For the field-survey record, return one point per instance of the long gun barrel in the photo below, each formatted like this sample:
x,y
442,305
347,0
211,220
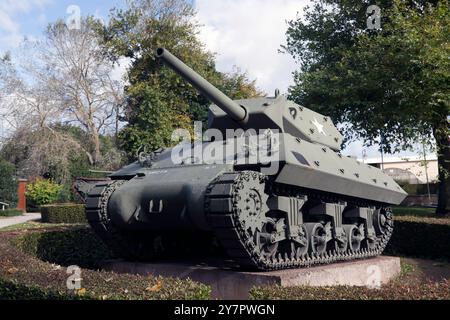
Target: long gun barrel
x,y
234,110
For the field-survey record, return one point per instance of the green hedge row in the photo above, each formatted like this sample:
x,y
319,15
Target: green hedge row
x,y
420,237
13,290
10,213
63,213
23,275
75,246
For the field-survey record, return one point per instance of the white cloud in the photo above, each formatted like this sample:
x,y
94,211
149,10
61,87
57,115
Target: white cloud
x,y
14,6
10,33
248,34
7,24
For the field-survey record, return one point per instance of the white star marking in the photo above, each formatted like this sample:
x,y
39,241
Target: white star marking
x,y
319,126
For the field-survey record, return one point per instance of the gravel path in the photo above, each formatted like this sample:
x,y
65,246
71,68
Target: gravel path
x,y
6,222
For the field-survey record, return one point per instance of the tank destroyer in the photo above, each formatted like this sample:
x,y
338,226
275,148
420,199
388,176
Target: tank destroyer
x,y
308,205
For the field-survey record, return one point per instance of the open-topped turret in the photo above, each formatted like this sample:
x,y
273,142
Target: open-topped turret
x,y
258,113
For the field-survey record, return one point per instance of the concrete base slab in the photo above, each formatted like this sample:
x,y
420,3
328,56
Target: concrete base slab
x,y
228,283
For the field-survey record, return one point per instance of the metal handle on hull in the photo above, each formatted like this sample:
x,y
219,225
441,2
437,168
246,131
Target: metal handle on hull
x,y
234,110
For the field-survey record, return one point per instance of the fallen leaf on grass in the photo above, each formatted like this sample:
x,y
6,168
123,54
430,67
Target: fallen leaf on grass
x,y
81,292
55,267
157,287
13,270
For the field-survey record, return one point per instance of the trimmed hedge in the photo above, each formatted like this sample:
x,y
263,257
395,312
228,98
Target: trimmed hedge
x,y
10,213
23,276
396,290
420,237
78,246
12,290
63,213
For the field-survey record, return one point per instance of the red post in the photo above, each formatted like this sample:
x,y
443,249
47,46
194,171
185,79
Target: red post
x,y
22,203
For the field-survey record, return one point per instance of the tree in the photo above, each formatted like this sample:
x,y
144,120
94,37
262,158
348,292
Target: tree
x,y
158,101
63,78
391,82
8,183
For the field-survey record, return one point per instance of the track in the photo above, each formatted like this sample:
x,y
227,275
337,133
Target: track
x,y
240,243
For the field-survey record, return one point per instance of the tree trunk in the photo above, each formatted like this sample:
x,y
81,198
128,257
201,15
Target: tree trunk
x,y
97,153
442,137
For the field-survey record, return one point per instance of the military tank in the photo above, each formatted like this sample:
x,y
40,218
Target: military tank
x,y
312,206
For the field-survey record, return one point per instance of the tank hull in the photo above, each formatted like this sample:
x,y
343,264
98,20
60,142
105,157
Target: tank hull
x,y
164,199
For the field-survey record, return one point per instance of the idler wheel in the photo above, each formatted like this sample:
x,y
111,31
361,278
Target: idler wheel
x,y
317,237
382,221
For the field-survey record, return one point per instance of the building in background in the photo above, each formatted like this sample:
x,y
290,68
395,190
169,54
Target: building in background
x,y
408,169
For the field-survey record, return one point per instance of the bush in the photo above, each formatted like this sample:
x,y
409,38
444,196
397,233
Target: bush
x,y
63,213
8,183
43,192
12,290
24,276
10,213
79,246
420,237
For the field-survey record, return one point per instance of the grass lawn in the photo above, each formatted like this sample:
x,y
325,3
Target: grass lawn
x,y
415,211
33,225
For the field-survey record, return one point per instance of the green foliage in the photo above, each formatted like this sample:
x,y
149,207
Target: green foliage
x,y
10,213
413,211
43,191
420,237
63,213
78,246
13,290
406,268
399,75
24,276
8,183
159,101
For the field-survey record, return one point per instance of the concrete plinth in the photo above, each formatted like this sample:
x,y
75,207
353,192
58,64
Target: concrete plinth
x,y
227,283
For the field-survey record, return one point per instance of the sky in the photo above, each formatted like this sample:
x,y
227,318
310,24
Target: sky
x,y
244,34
